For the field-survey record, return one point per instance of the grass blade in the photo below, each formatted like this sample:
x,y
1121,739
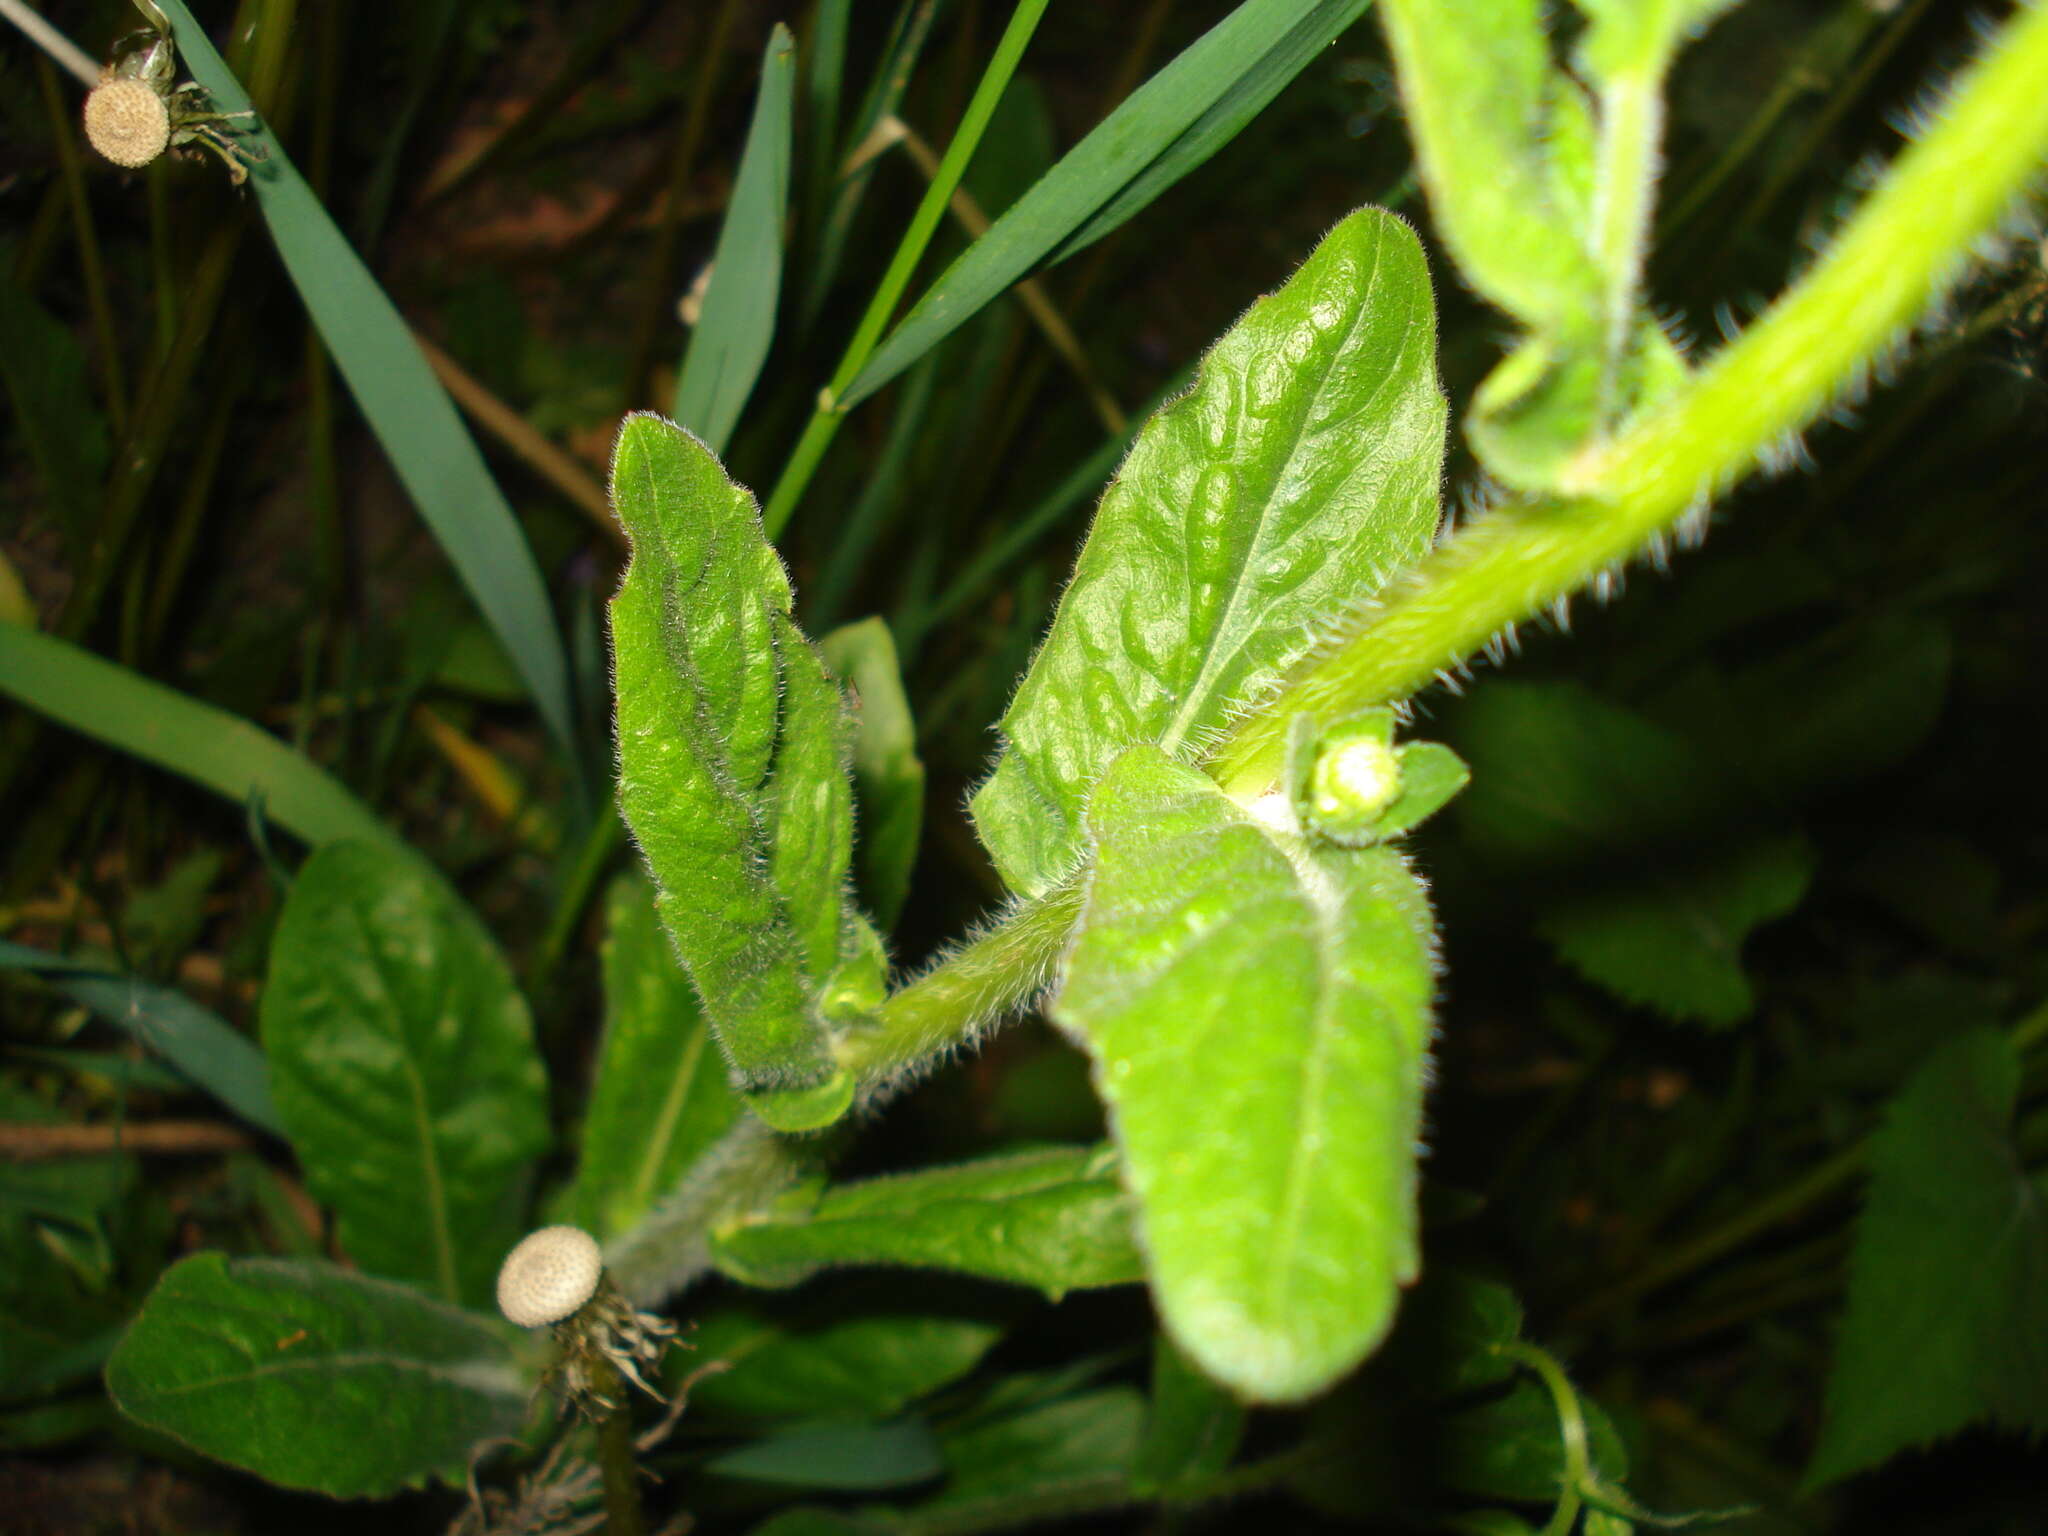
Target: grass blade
x,y
406,407
1166,128
209,746
1226,117
738,326
203,1047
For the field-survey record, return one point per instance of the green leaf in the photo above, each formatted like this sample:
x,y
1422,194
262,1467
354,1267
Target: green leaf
x,y
1480,94
1510,1447
1064,1455
1845,707
200,1044
1562,777
1163,130
404,1067
1947,1321
854,1456
1191,1432
405,405
660,1099
43,368
1671,937
888,775
732,746
1298,474
317,1378
846,1367
1451,1334
1055,1219
1258,1012
737,325
209,746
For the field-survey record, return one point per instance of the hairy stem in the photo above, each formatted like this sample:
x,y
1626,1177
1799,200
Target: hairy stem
x,y
1818,342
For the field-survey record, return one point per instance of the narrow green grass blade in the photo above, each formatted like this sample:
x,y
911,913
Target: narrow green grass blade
x,y
885,90
824,82
738,326
411,414
1166,128
205,1048
1244,100
209,746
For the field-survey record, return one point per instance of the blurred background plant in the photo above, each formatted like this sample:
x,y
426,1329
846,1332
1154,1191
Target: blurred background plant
x,y
1651,1124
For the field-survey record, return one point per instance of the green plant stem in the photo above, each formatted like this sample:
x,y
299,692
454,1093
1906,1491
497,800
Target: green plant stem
x,y
615,1461
984,979
1631,131
1904,244
1817,341
1571,1429
924,223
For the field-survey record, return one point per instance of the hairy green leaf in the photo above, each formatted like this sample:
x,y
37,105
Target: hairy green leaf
x,y
315,1377
732,748
1054,1219
1298,474
403,1064
888,775
1480,95
737,325
846,1367
660,1099
1947,1322
1258,1012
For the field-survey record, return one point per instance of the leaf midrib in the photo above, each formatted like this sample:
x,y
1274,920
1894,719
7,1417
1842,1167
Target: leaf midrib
x,y
1212,647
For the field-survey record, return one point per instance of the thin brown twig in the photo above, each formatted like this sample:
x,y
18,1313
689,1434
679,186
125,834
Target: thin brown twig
x,y
22,1143
1030,292
519,437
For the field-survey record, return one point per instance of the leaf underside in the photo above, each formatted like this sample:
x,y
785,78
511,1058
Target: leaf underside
x,y
1258,1012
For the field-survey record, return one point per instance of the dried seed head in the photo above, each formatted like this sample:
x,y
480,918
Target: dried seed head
x,y
549,1276
127,121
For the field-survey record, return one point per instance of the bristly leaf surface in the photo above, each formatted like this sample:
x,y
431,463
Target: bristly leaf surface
x,y
1258,1008
1298,474
732,756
